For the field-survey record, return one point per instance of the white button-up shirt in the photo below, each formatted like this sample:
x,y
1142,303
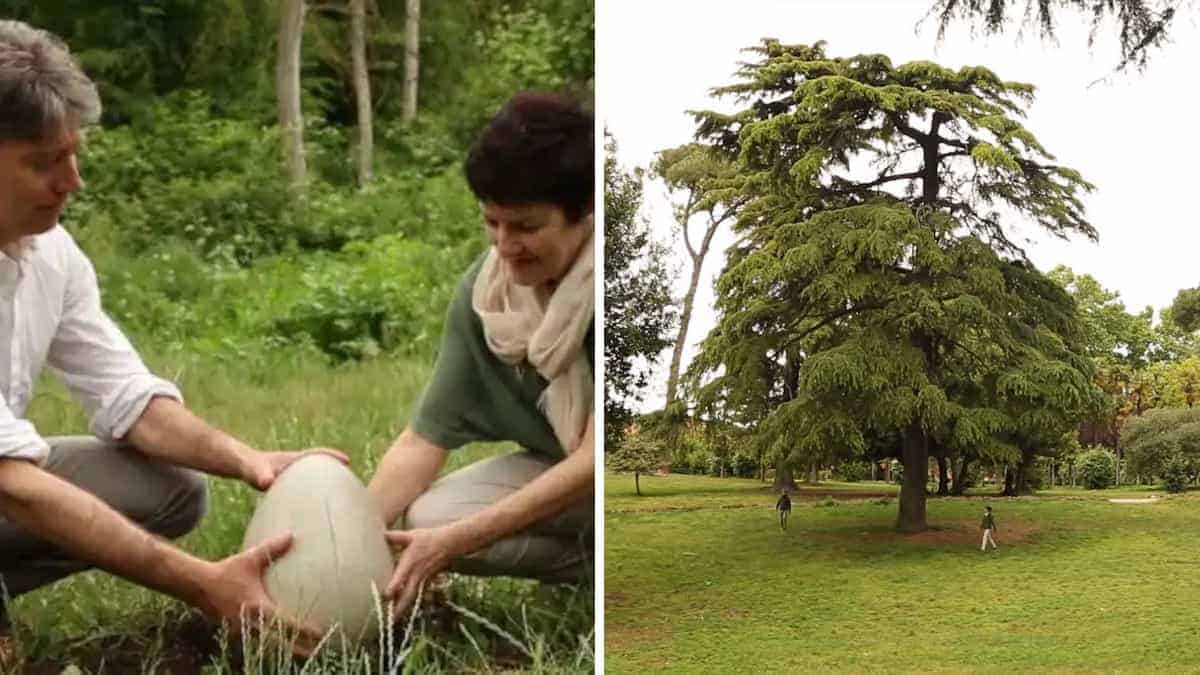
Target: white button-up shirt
x,y
50,314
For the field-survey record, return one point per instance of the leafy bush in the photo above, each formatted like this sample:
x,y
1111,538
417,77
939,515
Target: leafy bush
x,y
1153,439
852,472
1096,468
1176,474
389,294
743,466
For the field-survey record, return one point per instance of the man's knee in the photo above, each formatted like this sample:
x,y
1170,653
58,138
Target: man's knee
x,y
186,505
430,509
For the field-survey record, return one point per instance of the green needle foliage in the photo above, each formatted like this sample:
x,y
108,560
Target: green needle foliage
x,y
875,304
1143,25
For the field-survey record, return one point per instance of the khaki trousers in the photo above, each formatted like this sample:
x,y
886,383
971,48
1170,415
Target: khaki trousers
x,y
162,498
987,539
556,549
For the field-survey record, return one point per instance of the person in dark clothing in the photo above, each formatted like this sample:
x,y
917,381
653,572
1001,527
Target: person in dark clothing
x,y
784,507
988,526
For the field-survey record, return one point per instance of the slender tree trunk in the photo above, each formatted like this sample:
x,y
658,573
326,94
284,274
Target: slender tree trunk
x,y
813,478
685,318
912,490
637,485
287,88
412,60
362,90
943,477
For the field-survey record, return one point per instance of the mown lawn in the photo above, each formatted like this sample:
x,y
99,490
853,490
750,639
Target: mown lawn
x,y
103,624
699,578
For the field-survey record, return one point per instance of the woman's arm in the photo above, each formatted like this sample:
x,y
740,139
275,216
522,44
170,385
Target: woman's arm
x,y
428,551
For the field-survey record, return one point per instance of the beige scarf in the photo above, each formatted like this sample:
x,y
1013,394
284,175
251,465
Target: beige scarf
x,y
519,327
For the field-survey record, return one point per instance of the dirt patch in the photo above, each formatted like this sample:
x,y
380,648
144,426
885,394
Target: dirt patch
x,y
837,493
625,638
840,495
959,533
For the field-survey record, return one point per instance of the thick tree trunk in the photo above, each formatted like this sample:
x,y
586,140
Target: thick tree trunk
x,y
287,88
912,490
1010,489
943,477
783,477
1024,473
412,60
362,90
961,478
813,477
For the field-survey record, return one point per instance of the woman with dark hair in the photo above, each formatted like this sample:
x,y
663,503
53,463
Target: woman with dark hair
x,y
515,364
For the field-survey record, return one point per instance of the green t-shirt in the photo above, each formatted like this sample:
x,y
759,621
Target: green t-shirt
x,y
474,396
989,523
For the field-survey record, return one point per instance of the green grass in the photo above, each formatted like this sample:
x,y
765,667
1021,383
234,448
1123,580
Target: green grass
x,y
1078,584
100,622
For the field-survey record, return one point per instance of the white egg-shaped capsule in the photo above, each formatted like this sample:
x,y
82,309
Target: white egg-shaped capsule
x,y
339,559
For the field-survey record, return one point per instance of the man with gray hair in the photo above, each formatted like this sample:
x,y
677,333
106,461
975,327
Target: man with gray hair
x,y
70,503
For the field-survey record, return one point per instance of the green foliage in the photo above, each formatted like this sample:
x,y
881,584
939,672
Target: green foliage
x,y
1096,468
1164,442
1143,26
388,294
136,51
542,44
1186,309
853,471
1176,474
638,310
636,454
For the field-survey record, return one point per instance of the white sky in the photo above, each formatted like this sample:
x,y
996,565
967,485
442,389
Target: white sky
x,y
1133,136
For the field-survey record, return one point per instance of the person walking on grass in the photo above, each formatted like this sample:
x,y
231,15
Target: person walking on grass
x,y
110,500
988,526
784,507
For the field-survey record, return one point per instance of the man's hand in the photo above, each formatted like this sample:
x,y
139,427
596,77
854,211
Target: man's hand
x,y
236,594
423,553
262,468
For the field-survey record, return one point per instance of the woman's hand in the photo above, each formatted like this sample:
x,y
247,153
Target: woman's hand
x,y
423,553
